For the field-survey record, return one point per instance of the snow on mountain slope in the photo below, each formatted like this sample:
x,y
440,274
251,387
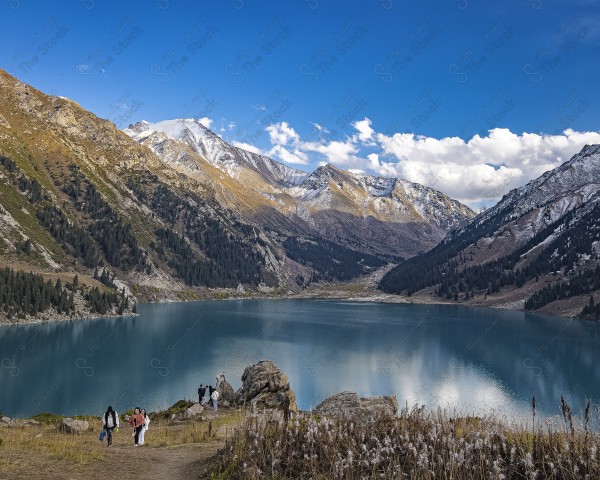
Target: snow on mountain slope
x,y
215,150
359,210
524,211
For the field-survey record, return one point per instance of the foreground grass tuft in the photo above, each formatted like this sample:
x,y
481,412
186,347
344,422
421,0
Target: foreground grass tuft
x,y
417,444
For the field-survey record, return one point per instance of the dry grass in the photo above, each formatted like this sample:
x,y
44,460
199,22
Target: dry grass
x,y
42,451
164,433
27,449
416,445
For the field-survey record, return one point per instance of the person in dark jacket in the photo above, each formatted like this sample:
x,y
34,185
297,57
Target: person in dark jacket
x,y
110,421
201,394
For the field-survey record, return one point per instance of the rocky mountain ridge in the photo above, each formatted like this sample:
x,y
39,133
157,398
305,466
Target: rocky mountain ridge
x,y
537,248
81,199
360,211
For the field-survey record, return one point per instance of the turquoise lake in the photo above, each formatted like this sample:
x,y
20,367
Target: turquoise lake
x,y
469,360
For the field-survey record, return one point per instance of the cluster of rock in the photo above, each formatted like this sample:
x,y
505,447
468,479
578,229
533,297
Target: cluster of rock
x,y
67,425
18,422
350,405
263,386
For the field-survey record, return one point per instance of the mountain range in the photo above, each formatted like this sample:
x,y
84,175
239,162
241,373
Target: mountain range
x,y
373,214
170,210
94,219
538,248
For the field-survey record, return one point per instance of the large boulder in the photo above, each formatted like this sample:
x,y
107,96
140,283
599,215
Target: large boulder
x,y
194,410
68,425
350,405
265,386
226,392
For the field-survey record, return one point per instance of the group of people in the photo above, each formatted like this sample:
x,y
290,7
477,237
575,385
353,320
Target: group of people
x,y
213,392
139,421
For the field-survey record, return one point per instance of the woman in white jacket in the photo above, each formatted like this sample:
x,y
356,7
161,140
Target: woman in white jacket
x,y
146,423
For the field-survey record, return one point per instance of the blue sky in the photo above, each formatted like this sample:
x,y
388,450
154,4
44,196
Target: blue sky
x,y
470,97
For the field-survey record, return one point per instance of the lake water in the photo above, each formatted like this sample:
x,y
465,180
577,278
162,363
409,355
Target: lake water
x,y
470,360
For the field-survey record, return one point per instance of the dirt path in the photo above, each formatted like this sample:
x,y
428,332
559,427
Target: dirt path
x,y
154,463
173,451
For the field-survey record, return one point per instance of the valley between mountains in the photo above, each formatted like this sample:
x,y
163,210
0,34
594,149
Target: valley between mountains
x,y
94,220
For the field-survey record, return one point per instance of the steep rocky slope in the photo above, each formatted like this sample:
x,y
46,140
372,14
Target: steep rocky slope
x,y
189,217
537,248
371,214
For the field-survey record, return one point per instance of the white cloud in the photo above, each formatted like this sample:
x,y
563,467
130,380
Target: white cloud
x,y
339,153
205,121
248,147
296,157
484,168
365,131
319,128
282,134
478,171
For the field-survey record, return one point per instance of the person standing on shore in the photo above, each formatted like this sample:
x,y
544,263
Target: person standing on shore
x,y
110,421
214,396
145,427
137,421
210,392
201,394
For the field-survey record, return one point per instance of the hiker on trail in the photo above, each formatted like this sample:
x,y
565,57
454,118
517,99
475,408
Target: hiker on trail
x,y
110,421
210,392
215,398
220,379
201,394
145,426
137,421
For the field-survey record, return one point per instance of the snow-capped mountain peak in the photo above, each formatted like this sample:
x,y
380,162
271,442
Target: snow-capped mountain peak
x,y
215,150
335,202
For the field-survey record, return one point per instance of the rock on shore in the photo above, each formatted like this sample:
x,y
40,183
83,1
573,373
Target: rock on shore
x,y
68,425
349,404
265,386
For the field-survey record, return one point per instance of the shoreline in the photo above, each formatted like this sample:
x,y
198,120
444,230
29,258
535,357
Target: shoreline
x,y
339,295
